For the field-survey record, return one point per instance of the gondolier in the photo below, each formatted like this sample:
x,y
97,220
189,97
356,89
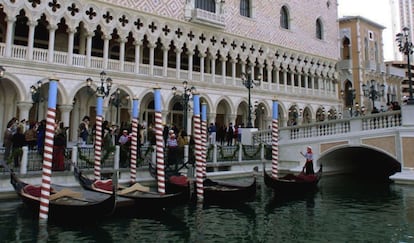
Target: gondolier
x,y
308,167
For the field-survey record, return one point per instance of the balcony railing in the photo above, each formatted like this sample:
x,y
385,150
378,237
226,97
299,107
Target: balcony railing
x,y
208,18
333,127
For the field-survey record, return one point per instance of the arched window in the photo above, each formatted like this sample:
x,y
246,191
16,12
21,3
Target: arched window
x,y
208,5
319,29
284,18
346,52
245,8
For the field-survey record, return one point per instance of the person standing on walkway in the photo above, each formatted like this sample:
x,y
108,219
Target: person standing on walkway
x,y
84,130
308,167
8,136
125,147
18,142
212,130
230,134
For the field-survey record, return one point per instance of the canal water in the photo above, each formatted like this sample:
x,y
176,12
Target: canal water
x,y
345,209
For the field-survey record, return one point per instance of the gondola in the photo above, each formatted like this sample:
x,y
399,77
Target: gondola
x,y
131,197
215,191
292,185
66,204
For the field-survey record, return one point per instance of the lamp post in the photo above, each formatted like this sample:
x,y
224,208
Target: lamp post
x,y
101,92
118,101
36,96
405,46
248,82
104,88
185,98
373,92
349,96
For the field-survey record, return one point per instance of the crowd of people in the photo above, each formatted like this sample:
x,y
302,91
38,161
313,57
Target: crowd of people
x,y
32,134
225,135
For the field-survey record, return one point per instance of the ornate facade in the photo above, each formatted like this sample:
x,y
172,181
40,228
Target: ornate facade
x,y
289,48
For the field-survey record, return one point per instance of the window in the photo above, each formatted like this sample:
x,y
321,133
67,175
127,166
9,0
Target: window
x,y
370,35
245,8
319,29
208,5
284,18
346,52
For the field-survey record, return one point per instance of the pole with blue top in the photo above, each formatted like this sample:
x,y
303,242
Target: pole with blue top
x,y
48,150
159,141
134,139
275,138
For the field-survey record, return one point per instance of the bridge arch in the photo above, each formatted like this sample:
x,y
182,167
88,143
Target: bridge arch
x,y
359,159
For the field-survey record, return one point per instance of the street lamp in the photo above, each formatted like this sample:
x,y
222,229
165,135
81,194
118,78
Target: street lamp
x,y
248,82
373,92
36,96
101,90
405,46
118,101
349,96
185,98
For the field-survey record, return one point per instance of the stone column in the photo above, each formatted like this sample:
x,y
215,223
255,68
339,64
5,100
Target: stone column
x,y
71,41
105,50
151,57
178,62
51,48
202,56
137,55
122,42
89,48
165,60
24,108
9,36
223,60
190,54
65,111
30,44
233,70
213,68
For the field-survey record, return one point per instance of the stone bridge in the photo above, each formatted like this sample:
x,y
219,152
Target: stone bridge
x,y
378,145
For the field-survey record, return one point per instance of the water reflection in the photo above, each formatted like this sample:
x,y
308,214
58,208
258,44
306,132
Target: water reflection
x,y
344,209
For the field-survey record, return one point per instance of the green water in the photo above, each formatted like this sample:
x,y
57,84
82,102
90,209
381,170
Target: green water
x,y
344,209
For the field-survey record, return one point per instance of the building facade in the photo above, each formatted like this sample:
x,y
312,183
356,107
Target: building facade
x,y
367,84
288,48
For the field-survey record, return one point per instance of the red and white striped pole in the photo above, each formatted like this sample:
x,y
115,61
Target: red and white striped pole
x,y
98,135
48,150
134,139
204,135
159,141
275,138
198,148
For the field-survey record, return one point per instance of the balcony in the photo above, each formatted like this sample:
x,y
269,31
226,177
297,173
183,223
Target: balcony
x,y
204,17
345,64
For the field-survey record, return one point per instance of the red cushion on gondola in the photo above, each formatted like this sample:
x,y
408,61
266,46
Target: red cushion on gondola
x,y
103,185
32,190
179,180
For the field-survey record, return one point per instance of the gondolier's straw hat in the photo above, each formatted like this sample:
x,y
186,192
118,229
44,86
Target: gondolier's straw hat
x,y
309,147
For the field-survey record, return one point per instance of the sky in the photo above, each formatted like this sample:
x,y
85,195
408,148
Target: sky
x,y
378,11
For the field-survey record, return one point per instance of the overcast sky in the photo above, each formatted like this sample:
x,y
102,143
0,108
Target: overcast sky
x,y
375,10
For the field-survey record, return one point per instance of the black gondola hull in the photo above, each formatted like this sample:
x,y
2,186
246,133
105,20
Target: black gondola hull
x,y
292,186
90,207
136,201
